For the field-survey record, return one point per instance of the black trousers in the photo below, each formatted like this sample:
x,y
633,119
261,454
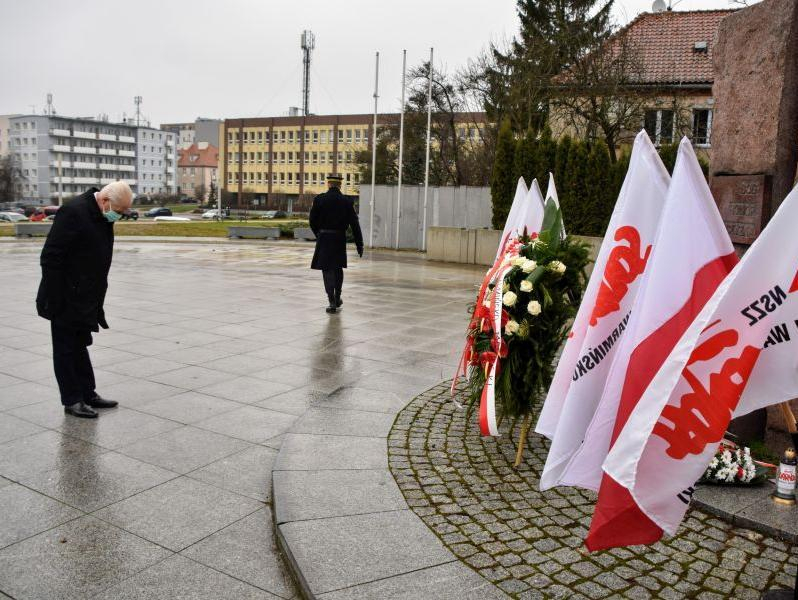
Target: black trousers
x,y
333,282
72,364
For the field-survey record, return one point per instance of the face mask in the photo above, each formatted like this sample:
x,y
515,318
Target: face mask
x,y
112,216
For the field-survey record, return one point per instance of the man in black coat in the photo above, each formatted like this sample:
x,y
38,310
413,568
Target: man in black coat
x,y
75,262
331,215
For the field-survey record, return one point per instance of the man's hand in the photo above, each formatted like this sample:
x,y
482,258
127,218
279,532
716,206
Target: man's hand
x,y
360,251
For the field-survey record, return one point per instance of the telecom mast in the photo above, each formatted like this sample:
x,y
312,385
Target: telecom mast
x,y
308,44
137,100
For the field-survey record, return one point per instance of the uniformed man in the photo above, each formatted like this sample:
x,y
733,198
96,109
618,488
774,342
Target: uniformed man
x,y
332,213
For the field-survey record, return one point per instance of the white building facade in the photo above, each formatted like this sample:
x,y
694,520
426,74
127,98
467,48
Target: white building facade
x,y
60,157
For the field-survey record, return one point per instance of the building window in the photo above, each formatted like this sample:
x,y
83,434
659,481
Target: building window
x,y
323,138
282,178
349,136
307,136
260,137
323,157
702,126
282,158
357,136
659,126
348,157
282,136
314,157
315,136
266,135
290,137
340,135
340,157
306,158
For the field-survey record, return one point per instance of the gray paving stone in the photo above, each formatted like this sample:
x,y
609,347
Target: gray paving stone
x,y
26,392
250,423
26,513
450,581
247,473
345,551
95,480
357,398
305,452
41,452
178,577
191,378
120,427
136,392
12,428
184,449
337,421
74,561
178,513
248,390
294,401
302,495
188,407
246,550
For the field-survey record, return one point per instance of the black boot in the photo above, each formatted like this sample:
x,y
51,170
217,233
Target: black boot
x,y
338,301
332,308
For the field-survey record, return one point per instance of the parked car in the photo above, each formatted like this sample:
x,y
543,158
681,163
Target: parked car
x,y
12,217
188,201
159,211
274,214
210,214
38,216
50,210
130,214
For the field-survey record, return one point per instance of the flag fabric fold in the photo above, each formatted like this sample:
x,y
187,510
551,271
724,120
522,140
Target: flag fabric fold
x,y
739,354
606,308
692,255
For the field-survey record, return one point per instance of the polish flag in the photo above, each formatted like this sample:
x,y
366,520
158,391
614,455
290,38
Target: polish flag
x,y
551,192
692,256
534,209
738,355
514,217
603,316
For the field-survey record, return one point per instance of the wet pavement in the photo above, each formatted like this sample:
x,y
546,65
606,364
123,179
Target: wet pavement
x,y
215,351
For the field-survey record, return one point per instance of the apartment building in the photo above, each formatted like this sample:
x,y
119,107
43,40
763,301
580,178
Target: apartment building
x,y
62,156
5,134
196,170
202,130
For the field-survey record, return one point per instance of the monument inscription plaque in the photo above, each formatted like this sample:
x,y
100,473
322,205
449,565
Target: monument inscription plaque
x,y
744,204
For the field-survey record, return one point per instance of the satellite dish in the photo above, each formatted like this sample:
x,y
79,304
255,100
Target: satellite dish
x,y
658,6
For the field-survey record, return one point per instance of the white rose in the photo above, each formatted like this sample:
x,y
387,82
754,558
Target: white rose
x,y
533,308
518,261
528,266
511,327
526,286
509,299
557,267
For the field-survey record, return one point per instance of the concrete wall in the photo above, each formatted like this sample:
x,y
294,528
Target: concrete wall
x,y
460,207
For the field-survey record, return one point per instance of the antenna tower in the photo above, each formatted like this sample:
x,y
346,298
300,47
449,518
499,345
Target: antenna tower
x,y
308,44
49,109
137,100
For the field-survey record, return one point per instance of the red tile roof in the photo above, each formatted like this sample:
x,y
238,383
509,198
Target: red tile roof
x,y
206,157
665,43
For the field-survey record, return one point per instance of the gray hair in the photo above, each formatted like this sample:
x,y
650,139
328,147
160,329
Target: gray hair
x,y
119,194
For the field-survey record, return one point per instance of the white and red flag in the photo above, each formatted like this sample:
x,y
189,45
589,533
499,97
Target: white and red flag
x,y
515,218
551,192
692,256
605,311
534,210
739,354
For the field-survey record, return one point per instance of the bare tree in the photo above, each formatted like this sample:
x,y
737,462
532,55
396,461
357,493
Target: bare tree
x,y
11,178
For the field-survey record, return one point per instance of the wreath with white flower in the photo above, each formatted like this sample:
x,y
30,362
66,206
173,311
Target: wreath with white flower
x,y
733,466
543,282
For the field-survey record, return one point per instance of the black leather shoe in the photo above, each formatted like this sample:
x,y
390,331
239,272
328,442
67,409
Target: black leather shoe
x,y
80,409
338,302
97,402
331,310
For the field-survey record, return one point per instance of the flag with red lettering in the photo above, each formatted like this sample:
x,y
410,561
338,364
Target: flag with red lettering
x,y
739,354
515,217
605,310
692,256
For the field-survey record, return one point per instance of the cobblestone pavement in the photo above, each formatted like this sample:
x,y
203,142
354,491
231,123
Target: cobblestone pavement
x,y
529,543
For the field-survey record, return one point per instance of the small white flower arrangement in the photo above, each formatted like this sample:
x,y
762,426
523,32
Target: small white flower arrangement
x,y
731,466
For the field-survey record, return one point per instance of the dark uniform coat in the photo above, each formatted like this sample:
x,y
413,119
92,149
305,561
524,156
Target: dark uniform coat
x,y
75,262
332,213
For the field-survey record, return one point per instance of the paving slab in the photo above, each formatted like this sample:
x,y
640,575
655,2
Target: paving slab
x,y
450,581
26,513
302,495
179,578
179,512
42,452
342,421
74,561
12,428
250,423
247,472
308,452
247,551
338,552
188,407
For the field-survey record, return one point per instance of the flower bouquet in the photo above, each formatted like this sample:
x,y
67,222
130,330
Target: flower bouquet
x,y
520,320
733,466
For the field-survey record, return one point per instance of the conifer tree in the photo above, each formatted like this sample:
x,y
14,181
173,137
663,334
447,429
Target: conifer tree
x,y
502,184
526,157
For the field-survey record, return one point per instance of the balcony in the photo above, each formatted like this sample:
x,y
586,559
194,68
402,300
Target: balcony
x,y
106,180
107,137
65,164
107,152
128,153
170,155
62,179
85,135
128,168
130,181
127,139
60,132
108,167
170,170
85,165
61,148
84,180
84,150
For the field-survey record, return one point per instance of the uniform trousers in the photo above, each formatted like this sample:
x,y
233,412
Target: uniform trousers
x,y
333,282
72,364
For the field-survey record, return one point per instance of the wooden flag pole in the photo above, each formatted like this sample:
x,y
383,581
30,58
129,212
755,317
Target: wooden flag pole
x,y
524,431
789,418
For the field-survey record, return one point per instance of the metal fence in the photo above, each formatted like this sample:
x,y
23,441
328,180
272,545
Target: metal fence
x,y
468,207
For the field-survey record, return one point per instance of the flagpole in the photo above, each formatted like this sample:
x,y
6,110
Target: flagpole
x,y
426,162
374,149
401,148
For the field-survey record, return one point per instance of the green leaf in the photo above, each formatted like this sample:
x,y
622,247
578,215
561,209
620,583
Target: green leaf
x,y
536,274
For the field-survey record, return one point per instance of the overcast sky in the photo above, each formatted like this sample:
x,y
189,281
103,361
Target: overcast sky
x,y
235,58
